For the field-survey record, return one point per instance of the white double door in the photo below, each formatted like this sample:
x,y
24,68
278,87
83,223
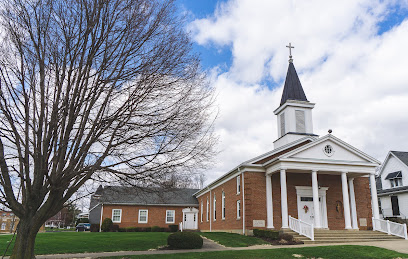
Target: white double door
x,y
306,211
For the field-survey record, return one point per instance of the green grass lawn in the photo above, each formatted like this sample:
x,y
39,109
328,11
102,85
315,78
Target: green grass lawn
x,y
233,240
326,252
80,242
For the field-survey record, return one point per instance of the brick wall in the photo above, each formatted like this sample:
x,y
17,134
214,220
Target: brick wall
x,y
156,215
231,222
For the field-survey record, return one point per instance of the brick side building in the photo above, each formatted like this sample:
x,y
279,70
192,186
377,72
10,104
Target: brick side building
x,y
322,181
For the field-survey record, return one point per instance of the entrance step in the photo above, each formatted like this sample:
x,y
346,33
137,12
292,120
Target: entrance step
x,y
343,236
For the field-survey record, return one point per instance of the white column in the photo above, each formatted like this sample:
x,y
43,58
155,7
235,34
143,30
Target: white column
x,y
284,199
346,202
374,199
269,207
353,204
316,204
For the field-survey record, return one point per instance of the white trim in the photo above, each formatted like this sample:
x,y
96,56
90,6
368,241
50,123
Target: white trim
x,y
120,215
100,222
174,216
380,171
147,216
293,103
152,204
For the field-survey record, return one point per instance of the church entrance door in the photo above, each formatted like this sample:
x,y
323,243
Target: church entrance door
x,y
306,207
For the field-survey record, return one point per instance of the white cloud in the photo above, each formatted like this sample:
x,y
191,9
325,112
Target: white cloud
x,y
357,78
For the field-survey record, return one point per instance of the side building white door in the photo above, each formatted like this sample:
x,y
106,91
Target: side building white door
x,y
190,218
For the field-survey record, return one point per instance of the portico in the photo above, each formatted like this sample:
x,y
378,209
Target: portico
x,y
311,193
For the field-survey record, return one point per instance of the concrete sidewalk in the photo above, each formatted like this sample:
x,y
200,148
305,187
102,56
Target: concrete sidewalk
x,y
209,246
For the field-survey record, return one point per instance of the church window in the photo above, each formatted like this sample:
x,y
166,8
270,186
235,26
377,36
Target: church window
x,y
215,210
282,124
238,209
208,211
143,214
328,150
223,205
116,215
300,121
201,214
238,184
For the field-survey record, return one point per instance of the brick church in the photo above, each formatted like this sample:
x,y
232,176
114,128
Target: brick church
x,y
323,181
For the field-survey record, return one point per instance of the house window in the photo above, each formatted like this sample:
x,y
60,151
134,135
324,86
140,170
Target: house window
x,y
379,205
116,215
396,182
282,124
223,205
3,226
208,211
238,184
169,216
215,208
238,209
202,207
143,215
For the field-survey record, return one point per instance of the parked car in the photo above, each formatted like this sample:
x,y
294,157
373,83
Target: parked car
x,y
83,227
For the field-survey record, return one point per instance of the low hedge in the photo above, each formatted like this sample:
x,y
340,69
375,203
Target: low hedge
x,y
266,233
94,227
185,240
173,228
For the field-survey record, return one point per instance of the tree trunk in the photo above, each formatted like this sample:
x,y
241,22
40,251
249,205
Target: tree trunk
x,y
25,240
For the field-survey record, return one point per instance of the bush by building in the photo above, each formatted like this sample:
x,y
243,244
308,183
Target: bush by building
x,y
271,234
185,240
106,225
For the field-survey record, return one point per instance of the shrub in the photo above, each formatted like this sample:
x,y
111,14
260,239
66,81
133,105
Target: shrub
x,y
106,225
286,236
185,240
173,228
114,228
147,229
122,229
94,227
156,229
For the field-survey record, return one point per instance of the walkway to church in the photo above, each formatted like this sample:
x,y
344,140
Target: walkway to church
x,y
209,246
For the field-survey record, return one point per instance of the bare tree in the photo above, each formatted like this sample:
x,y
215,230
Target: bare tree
x,y
94,89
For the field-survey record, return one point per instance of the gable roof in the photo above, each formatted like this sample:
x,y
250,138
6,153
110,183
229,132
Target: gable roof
x,y
336,140
403,156
145,196
399,155
293,89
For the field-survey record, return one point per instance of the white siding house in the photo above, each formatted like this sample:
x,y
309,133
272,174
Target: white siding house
x,y
393,181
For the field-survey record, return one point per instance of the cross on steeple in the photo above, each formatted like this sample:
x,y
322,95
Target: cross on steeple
x,y
290,52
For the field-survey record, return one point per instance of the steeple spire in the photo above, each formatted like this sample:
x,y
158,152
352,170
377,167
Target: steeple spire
x,y
293,89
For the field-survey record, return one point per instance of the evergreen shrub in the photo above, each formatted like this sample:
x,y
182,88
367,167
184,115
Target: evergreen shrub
x,y
185,240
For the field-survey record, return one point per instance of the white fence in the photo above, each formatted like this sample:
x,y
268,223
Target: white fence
x,y
391,228
301,227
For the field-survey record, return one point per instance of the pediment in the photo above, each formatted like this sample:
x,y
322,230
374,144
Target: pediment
x,y
331,149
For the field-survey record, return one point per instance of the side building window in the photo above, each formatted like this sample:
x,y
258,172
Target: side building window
x,y
202,207
170,216
143,216
208,210
223,205
215,208
238,184
238,209
116,215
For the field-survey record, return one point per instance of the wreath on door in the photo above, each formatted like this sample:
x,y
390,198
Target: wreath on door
x,y
306,208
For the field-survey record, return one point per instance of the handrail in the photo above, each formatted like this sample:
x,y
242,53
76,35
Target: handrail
x,y
301,227
391,228
181,226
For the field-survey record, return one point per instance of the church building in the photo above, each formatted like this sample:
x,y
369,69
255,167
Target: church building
x,y
323,181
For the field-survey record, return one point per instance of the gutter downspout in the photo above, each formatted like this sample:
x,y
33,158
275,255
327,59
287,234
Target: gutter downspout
x,y
100,222
243,202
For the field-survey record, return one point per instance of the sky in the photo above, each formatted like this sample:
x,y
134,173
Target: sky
x,y
351,57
